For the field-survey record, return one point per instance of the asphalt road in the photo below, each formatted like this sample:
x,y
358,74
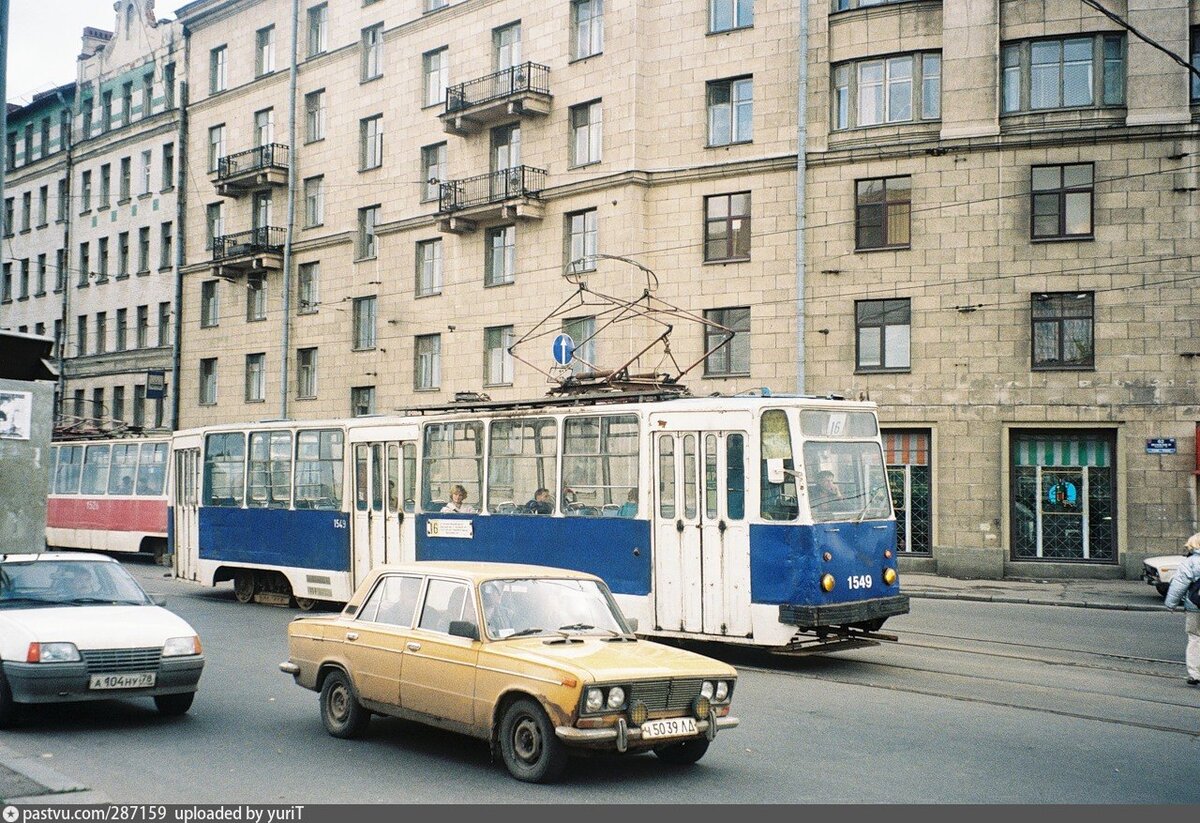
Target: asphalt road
x,y
978,703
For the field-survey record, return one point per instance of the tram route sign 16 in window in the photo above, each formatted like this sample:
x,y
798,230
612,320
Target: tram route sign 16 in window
x,y
1160,445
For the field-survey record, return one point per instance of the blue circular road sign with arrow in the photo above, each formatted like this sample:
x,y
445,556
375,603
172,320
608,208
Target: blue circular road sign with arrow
x,y
563,349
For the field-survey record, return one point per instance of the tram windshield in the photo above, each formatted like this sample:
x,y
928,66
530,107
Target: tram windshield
x,y
846,481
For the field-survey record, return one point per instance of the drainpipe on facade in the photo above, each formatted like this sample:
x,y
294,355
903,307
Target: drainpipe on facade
x,y
801,145
61,344
291,217
181,161
4,94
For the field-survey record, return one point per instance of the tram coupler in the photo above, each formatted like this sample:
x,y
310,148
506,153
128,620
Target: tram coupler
x,y
840,639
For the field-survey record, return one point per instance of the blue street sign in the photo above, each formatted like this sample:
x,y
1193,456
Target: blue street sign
x,y
563,349
1160,445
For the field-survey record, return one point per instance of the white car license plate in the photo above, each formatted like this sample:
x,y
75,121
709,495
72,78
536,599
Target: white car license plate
x,y
668,727
138,680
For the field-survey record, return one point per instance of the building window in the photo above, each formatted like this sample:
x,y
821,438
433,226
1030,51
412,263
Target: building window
x,y
506,46
164,246
6,284
582,331
1062,202
901,89
362,401
587,28
581,241
105,186
143,265
434,5
216,146
1070,72
81,334
314,201
26,211
260,212
307,288
724,15
41,275
85,199
884,335
306,373
264,127
169,86
208,382
126,104
1063,332
43,205
318,29
370,132
730,111
214,224
500,244
497,362
168,166
429,267
216,70
147,93
102,260
125,183
63,200
314,116
256,299
210,313
143,326
437,75
256,378
433,169
586,130
25,278
372,52
734,357
101,332
368,219
428,362
139,405
118,404
85,265
123,254
364,323
106,111
164,324
264,51
10,216
883,213
727,227
1195,78
122,332
144,175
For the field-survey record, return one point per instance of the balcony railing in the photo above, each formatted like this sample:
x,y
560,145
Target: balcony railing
x,y
263,240
484,189
259,158
523,78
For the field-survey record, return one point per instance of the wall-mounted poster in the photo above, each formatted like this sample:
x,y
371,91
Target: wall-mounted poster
x,y
15,414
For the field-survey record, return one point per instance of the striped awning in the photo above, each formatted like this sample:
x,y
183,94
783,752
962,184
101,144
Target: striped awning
x,y
906,448
1063,452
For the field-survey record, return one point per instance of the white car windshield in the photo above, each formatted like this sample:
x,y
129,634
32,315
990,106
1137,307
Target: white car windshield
x,y
44,583
531,606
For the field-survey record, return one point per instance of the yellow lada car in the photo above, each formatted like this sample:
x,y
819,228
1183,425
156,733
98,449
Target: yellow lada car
x,y
538,661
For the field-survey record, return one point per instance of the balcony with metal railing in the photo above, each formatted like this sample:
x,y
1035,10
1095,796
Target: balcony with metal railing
x,y
507,194
249,251
523,89
255,168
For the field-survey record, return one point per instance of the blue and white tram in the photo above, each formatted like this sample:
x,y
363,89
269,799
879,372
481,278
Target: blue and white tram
x,y
702,514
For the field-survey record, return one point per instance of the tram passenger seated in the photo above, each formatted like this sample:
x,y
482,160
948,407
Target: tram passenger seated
x,y
629,507
541,503
126,486
458,504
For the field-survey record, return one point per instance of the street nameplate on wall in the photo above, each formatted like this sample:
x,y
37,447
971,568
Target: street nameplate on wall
x,y
449,528
1160,445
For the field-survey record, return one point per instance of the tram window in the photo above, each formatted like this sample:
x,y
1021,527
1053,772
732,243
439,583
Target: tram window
x,y
319,469
521,460
124,468
689,476
600,463
224,469
53,468
859,476
66,475
453,456
777,500
362,466
377,477
735,477
152,469
666,477
95,470
393,471
410,477
270,470
819,423
710,476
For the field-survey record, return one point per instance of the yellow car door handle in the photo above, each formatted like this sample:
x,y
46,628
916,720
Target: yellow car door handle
x,y
351,635
413,646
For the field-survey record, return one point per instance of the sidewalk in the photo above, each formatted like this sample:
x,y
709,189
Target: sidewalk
x,y
29,780
1128,595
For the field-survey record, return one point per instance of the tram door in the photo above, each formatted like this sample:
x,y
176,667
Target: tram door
x,y
185,498
383,530
702,541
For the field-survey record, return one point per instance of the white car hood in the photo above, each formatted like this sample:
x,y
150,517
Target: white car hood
x,y
95,627
1167,563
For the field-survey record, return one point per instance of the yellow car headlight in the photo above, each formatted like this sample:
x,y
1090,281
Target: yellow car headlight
x,y
616,698
722,691
595,700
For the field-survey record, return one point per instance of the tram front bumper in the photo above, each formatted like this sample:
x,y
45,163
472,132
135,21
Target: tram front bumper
x,y
843,614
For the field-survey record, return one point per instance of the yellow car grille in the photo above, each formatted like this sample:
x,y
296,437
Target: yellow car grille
x,y
658,695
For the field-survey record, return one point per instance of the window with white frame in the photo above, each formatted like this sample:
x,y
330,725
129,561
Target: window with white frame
x,y
368,218
125,185
429,267
371,142
497,361
730,111
318,29
144,176
587,28
583,332
256,377
727,227
264,127
902,89
726,15
217,59
1063,330
506,46
216,146
362,401
581,243
883,212
210,313
214,223
1062,207
308,283
168,166
428,366
314,201
306,373
436,65
884,335
1086,71
372,52
433,171
364,323
208,382
314,116
434,5
500,248
256,299
264,51
586,133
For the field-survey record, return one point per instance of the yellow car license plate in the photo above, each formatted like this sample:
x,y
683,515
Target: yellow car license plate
x,y
136,680
668,727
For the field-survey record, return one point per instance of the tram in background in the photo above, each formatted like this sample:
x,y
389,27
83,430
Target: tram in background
x,y
108,495
701,514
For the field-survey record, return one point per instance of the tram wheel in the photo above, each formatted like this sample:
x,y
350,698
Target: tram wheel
x,y
306,604
245,585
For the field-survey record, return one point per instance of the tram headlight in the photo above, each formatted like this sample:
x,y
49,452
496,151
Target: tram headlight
x,y
706,690
889,576
616,698
595,700
827,582
722,692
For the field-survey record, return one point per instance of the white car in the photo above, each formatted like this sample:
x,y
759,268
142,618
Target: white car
x,y
77,626
1158,571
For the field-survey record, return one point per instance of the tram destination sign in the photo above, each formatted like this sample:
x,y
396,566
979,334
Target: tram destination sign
x,y
1160,445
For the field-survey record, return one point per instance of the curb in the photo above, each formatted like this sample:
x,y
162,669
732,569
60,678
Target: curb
x,y
1033,601
59,788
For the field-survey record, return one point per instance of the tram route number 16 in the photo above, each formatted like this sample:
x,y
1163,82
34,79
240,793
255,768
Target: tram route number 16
x,y
859,581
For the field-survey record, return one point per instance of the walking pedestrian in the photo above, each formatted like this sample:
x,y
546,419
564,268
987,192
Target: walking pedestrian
x,y
1187,573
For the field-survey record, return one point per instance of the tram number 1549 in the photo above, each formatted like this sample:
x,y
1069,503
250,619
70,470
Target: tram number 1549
x,y
859,581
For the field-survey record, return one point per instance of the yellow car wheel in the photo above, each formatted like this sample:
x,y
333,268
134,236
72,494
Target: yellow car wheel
x,y
528,745
341,712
